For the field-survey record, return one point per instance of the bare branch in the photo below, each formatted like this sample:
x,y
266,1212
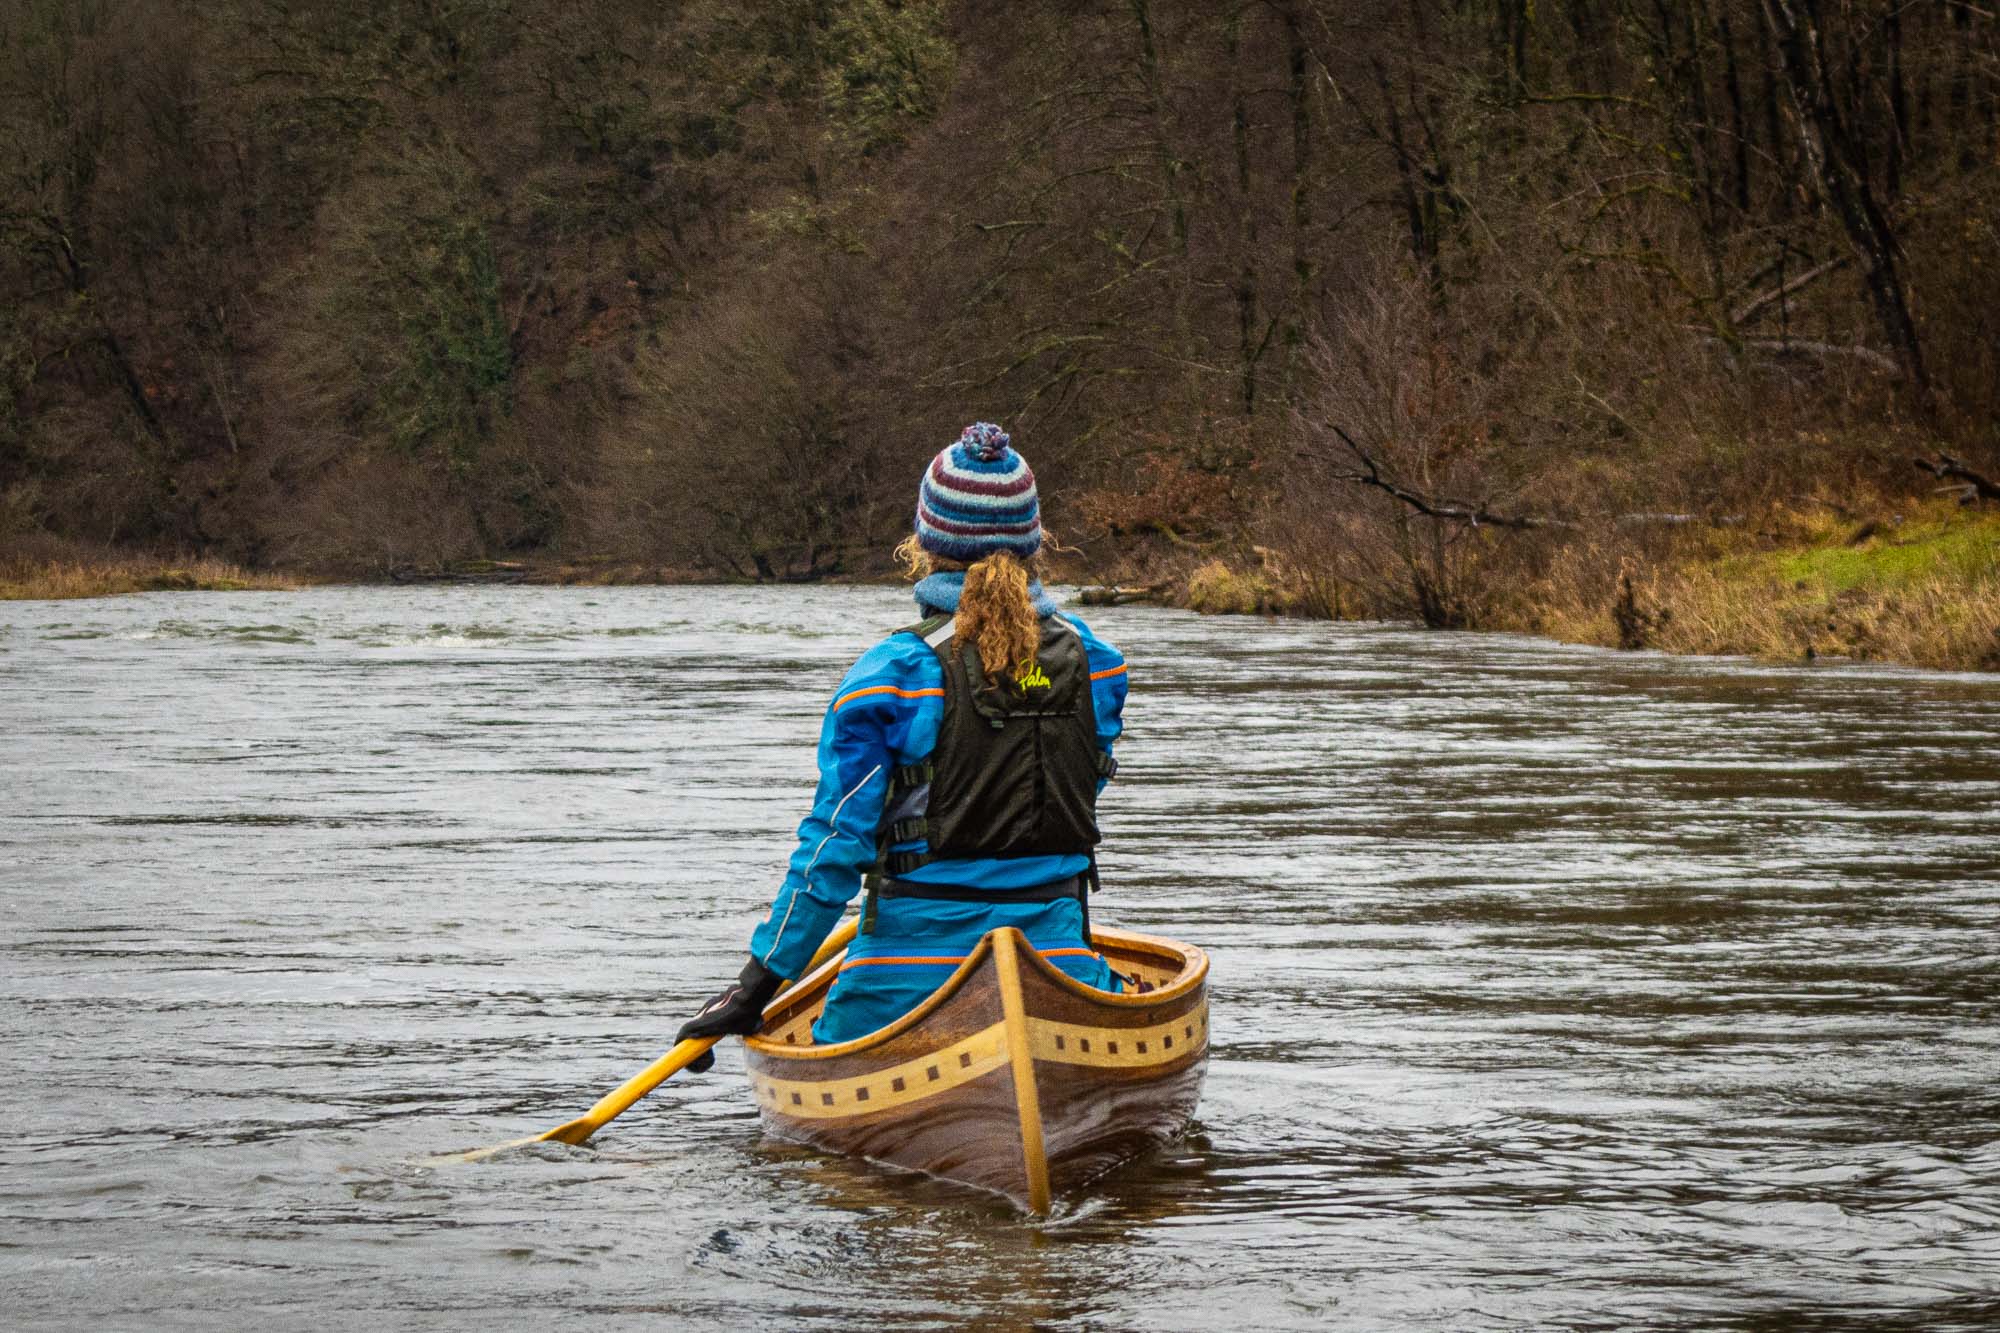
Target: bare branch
x,y
1750,309
1474,513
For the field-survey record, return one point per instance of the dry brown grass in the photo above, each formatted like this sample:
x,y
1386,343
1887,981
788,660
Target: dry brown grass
x,y
1215,589
1921,587
1270,587
52,580
1942,622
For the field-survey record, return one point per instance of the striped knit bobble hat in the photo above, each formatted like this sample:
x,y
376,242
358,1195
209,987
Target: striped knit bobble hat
x,y
978,498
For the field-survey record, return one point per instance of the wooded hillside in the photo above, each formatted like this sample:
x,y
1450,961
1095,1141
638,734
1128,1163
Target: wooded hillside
x,y
373,286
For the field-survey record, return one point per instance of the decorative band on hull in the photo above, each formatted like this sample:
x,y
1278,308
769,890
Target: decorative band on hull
x,y
960,1063
897,1085
1119,1048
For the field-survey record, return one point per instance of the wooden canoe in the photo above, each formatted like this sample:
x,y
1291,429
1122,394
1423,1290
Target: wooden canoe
x,y
1012,1076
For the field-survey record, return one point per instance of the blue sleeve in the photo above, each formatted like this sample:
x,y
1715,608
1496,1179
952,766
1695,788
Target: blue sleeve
x,y
1107,684
866,731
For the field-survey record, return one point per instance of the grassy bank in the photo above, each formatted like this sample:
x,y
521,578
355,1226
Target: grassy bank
x,y
1909,581
1920,587
67,578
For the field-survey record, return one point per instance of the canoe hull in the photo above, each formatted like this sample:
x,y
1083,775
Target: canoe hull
x,y
1012,1077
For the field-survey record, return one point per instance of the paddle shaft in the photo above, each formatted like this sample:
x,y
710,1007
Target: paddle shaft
x,y
620,1099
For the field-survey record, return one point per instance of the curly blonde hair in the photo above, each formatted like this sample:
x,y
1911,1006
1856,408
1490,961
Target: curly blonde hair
x,y
996,613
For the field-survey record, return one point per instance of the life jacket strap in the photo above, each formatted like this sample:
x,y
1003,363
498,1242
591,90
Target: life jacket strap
x,y
1054,892
871,886
902,863
878,887
910,778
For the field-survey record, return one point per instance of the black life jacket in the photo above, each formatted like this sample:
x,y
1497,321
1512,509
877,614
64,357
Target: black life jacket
x,y
1016,765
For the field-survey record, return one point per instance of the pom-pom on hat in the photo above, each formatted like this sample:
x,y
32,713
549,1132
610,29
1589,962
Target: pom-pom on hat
x,y
978,498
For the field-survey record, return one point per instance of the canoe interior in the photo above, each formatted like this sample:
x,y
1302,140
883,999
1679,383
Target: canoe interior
x,y
1012,1076
1161,963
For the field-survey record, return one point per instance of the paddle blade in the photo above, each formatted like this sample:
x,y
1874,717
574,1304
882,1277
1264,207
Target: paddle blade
x,y
576,1132
579,1130
481,1154
614,1103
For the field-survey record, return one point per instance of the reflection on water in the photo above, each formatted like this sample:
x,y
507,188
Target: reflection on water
x,y
1553,987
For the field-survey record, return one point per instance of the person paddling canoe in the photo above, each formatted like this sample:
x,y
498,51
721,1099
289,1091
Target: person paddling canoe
x,y
960,763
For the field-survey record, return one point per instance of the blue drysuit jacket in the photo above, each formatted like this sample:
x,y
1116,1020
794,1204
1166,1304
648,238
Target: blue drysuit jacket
x,y
884,716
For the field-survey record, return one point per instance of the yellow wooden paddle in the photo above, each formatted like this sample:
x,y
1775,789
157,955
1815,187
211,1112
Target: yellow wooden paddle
x,y
616,1102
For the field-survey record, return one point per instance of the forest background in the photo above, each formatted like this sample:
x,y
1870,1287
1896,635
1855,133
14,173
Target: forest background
x,y
1624,320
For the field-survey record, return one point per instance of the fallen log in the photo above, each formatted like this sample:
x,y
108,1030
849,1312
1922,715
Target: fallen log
x,y
468,571
1112,595
1756,305
1678,520
1808,349
1971,485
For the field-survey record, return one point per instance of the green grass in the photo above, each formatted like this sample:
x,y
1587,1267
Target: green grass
x,y
1960,547
1924,590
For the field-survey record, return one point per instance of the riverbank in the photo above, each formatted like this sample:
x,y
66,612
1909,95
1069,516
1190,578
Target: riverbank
x,y
1908,581
1913,582
58,580
1918,587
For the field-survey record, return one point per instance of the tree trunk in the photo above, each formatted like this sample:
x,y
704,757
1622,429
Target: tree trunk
x,y
1170,167
1739,129
1834,159
1302,263
1248,349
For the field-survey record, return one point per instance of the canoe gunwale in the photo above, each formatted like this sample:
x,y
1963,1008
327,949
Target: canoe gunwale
x,y
1192,975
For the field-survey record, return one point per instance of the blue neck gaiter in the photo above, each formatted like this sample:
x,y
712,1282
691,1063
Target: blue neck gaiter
x,y
938,594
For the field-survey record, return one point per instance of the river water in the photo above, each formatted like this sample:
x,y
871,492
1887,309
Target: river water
x,y
1553,987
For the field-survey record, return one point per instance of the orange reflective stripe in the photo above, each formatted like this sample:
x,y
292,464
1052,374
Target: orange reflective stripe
x,y
887,689
1118,670
870,962
941,961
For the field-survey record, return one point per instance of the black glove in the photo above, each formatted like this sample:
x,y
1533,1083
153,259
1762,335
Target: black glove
x,y
738,1011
